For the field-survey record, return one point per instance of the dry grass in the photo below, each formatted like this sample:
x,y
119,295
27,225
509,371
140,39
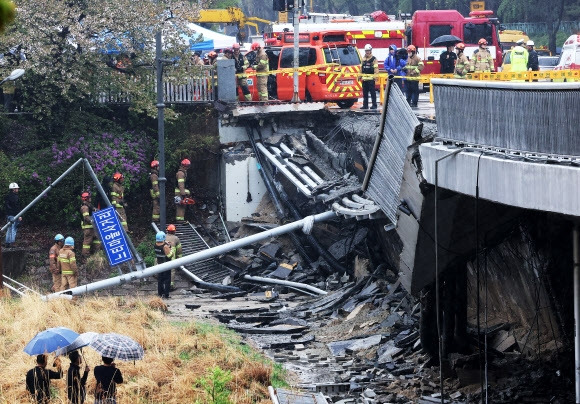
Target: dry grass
x,y
176,355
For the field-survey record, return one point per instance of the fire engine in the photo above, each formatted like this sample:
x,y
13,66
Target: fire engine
x,y
329,64
424,27
427,25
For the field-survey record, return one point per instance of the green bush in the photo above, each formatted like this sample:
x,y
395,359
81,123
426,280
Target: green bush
x,y
214,384
126,152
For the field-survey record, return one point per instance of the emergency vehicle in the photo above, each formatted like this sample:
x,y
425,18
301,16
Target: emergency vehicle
x,y
424,27
329,63
427,25
570,56
362,30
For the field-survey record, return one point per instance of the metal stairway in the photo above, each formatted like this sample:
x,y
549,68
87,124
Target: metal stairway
x,y
191,242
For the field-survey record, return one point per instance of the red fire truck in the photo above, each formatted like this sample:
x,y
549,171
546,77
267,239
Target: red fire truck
x,y
424,27
329,63
427,25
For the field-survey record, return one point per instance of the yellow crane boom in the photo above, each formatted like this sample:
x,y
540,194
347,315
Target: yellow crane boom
x,y
229,15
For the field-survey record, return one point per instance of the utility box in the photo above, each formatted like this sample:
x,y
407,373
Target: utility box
x,y
226,80
242,184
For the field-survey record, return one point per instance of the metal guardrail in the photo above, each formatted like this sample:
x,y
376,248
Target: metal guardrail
x,y
497,118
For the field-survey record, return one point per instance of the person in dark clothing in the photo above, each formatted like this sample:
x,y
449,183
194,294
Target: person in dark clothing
x,y
38,378
447,60
75,384
12,208
533,63
107,377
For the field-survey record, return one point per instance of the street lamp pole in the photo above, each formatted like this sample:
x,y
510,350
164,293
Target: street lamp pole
x,y
160,130
13,76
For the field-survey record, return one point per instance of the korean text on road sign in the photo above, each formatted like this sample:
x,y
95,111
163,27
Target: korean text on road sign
x,y
107,224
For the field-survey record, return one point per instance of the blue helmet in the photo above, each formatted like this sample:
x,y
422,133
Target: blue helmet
x,y
69,241
159,237
58,237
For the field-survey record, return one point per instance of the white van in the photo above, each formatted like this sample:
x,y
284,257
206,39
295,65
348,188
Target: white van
x,y
570,56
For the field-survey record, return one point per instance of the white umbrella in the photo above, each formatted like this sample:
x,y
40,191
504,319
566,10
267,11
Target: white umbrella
x,y
81,341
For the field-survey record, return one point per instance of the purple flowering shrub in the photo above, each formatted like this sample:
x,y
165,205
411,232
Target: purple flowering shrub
x,y
126,152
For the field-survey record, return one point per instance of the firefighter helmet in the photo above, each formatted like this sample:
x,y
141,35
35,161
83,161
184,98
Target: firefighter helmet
x,y
160,237
368,47
185,162
170,228
482,41
69,241
118,176
13,185
236,46
411,48
212,55
58,237
460,46
154,164
85,196
256,45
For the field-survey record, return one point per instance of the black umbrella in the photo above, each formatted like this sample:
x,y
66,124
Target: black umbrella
x,y
445,40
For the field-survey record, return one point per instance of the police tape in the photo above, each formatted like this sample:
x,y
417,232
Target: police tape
x,y
568,75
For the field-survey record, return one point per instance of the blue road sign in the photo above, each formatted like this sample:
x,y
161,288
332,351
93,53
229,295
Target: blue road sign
x,y
109,227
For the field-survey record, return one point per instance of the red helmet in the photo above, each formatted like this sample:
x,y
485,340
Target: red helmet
x,y
85,196
212,54
118,176
170,228
256,45
236,46
411,48
482,41
154,164
460,45
185,162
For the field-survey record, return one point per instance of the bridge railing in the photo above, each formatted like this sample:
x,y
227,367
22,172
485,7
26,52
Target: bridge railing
x,y
197,87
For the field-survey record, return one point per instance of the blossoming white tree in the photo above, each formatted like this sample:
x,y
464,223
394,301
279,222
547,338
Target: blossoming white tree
x,y
72,49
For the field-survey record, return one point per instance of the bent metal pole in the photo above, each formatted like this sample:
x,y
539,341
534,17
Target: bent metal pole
x,y
198,256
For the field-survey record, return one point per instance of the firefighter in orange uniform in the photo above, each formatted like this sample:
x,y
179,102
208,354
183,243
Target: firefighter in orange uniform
x,y
118,198
67,263
482,61
154,177
89,236
262,68
53,262
180,190
175,243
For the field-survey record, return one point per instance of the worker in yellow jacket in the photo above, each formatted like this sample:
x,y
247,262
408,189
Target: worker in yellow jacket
x,y
67,264
53,262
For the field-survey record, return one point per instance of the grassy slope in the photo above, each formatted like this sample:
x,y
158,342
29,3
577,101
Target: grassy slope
x,y
177,355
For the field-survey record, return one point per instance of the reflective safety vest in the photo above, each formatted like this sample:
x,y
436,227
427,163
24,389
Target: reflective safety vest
x,y
117,195
154,177
86,221
181,176
174,241
53,259
67,261
368,65
161,254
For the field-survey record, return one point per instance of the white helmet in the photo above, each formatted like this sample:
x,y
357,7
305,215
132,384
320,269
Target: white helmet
x,y
368,47
13,185
530,43
520,41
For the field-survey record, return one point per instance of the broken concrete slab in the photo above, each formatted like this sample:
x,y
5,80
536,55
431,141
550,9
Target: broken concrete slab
x,y
338,348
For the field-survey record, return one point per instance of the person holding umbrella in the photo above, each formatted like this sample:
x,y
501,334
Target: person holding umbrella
x,y
38,378
75,384
107,376
447,60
